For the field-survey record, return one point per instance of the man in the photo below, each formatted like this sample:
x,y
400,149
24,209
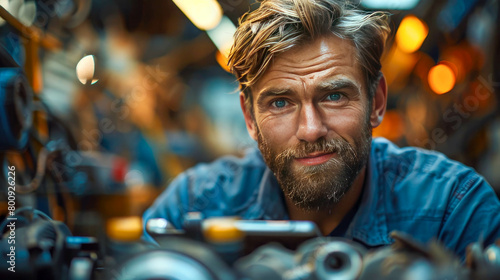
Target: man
x,y
312,91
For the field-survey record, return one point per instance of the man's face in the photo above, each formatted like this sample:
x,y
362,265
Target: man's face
x,y
312,121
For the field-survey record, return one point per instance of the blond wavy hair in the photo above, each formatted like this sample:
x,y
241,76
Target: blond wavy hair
x,y
279,25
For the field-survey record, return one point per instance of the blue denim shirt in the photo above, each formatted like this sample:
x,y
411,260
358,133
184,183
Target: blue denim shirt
x,y
416,191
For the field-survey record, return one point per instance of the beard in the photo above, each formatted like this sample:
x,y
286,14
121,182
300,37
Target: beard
x,y
318,187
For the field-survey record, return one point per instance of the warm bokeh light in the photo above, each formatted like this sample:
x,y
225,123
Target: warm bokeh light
x,y
124,228
222,60
464,57
422,67
204,14
397,66
392,127
441,78
85,70
411,34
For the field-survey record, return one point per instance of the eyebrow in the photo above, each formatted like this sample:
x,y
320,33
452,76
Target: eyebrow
x,y
271,92
337,85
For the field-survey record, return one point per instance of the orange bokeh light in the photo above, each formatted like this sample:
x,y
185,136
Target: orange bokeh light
x,y
392,127
441,78
411,34
222,60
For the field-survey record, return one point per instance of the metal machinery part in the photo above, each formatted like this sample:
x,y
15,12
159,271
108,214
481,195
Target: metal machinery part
x,y
338,260
161,227
267,262
332,258
484,263
408,258
177,259
164,265
493,254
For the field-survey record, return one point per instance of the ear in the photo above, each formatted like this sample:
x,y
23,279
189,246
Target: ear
x,y
249,121
379,103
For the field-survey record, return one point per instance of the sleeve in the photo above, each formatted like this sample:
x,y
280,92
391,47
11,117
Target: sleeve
x,y
473,214
171,205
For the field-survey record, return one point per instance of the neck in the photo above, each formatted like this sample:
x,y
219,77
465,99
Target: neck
x,y
328,219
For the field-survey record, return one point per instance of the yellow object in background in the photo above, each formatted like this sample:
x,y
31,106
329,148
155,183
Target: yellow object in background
x,y
411,34
204,14
124,228
441,78
221,230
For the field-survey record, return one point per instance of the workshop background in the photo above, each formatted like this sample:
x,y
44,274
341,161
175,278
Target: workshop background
x,y
105,102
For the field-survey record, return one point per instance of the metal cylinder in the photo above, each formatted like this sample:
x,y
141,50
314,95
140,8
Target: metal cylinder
x,y
338,260
332,258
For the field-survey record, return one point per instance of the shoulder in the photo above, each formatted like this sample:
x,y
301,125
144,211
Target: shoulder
x,y
417,164
225,187
429,195
421,184
225,172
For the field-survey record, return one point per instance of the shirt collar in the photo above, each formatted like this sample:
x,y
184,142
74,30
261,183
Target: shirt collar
x,y
369,224
270,199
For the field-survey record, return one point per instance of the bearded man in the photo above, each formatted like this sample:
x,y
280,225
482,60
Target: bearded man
x,y
311,92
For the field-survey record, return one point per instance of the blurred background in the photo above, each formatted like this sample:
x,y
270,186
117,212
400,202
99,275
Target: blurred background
x,y
104,102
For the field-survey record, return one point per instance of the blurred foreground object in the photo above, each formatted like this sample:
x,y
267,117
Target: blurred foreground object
x,y
16,105
46,249
484,263
408,259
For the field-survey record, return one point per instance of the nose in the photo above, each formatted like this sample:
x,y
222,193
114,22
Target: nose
x,y
311,126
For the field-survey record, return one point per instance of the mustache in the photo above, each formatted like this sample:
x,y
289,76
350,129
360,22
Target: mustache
x,y
303,149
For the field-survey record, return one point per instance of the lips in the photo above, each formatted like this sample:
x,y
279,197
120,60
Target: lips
x,y
315,158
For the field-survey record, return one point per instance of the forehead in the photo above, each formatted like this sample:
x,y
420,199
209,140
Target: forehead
x,y
321,47
314,61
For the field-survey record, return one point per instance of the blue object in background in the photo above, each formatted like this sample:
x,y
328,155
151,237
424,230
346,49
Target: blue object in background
x,y
454,13
11,50
16,99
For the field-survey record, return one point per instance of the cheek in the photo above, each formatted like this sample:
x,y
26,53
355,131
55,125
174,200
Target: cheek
x,y
348,124
277,131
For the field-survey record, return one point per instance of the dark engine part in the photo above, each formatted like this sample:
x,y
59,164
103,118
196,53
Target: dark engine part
x,y
406,258
330,258
484,263
38,244
267,262
317,259
179,259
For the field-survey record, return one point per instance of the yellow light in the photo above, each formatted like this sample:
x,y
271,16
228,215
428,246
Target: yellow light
x,y
411,34
124,228
222,60
441,78
85,70
204,14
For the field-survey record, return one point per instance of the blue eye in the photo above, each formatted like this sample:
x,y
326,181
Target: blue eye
x,y
279,103
334,97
